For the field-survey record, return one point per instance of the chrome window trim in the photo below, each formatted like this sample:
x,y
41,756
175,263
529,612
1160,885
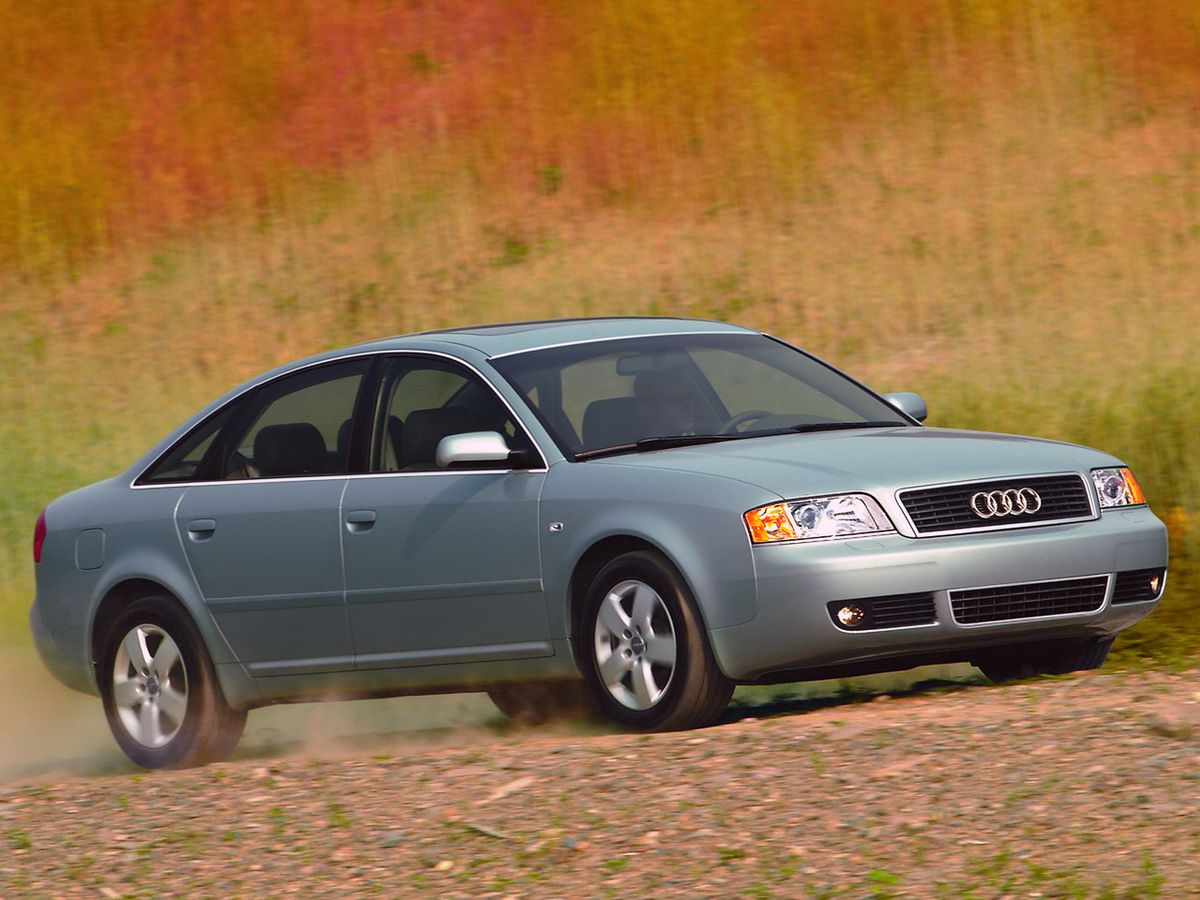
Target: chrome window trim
x,y
437,354
1110,580
444,472
288,480
619,337
987,529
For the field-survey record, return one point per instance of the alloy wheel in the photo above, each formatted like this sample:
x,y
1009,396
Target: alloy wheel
x,y
635,645
149,683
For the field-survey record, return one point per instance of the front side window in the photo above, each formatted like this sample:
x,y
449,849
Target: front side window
x,y
424,399
612,394
296,426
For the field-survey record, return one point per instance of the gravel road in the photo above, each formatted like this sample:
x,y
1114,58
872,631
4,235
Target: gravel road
x,y
1084,786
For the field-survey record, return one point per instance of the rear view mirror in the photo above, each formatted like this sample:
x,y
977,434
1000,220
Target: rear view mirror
x,y
654,361
472,447
910,404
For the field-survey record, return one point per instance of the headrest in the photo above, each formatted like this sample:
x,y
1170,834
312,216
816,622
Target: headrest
x,y
296,448
425,428
616,420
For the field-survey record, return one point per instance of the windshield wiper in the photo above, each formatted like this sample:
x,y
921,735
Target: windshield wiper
x,y
656,443
838,426
688,440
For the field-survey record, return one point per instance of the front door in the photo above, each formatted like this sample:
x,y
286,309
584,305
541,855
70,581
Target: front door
x,y
442,566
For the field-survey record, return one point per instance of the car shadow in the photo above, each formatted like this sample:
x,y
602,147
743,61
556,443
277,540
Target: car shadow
x,y
789,700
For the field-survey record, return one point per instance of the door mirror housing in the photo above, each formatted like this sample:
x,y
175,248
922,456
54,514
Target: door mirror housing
x,y
910,404
472,447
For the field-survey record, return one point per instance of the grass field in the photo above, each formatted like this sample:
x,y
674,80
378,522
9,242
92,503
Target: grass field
x,y
992,204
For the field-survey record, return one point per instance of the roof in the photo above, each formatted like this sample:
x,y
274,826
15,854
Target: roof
x,y
514,337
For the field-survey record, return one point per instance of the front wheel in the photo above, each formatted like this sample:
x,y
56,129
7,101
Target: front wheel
x,y
644,650
160,691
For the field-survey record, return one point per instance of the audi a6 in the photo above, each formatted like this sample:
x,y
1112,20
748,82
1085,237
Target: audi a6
x,y
636,513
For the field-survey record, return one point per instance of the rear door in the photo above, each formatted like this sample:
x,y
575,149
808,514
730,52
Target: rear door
x,y
442,566
263,537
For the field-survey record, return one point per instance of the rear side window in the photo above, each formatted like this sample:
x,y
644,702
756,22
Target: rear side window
x,y
296,426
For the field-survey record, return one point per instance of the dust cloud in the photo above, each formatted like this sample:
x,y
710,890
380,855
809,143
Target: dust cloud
x,y
48,730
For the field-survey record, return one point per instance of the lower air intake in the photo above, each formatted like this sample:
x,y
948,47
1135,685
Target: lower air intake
x,y
1010,602
1137,586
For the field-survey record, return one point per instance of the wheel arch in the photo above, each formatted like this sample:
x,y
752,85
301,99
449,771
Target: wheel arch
x,y
119,597
595,558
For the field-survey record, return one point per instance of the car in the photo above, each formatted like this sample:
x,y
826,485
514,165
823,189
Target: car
x,y
635,514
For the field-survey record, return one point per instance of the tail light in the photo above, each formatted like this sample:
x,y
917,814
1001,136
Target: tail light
x,y
39,536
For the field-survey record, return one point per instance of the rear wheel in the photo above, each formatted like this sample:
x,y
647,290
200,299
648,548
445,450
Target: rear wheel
x,y
160,691
644,650
539,703
1051,658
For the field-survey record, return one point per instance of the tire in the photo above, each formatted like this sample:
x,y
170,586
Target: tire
x,y
644,650
540,703
160,691
1054,658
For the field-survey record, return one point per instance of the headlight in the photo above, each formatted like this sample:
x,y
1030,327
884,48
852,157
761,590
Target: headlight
x,y
1117,487
817,518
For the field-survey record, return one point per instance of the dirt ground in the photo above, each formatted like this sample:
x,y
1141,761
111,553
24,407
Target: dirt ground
x,y
1083,786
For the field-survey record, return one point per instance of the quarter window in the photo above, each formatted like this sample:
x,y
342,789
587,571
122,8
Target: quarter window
x,y
182,462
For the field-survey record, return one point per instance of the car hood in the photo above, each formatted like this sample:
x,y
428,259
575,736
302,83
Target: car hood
x,y
875,460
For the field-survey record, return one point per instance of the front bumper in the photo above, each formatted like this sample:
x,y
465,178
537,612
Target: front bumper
x,y
793,629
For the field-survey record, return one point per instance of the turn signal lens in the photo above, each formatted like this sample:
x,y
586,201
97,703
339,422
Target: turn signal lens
x,y
1117,487
770,523
39,536
1135,489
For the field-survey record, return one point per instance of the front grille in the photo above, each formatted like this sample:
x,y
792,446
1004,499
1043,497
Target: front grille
x,y
1137,586
937,510
1028,601
895,611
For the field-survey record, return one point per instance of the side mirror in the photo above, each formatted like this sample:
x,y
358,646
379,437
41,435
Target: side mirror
x,y
472,447
912,405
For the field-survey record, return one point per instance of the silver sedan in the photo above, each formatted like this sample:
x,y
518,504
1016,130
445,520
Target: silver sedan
x,y
632,514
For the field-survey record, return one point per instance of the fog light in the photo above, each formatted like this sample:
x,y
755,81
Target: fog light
x,y
851,616
1155,581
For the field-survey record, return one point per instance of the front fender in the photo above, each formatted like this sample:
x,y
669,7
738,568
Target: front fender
x,y
693,519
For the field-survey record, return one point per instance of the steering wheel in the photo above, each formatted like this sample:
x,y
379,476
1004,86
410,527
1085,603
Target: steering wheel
x,y
750,415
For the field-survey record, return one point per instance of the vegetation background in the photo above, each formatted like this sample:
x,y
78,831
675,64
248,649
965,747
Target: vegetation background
x,y
993,202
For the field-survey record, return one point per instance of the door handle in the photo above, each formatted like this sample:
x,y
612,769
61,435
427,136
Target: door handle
x,y
360,520
201,529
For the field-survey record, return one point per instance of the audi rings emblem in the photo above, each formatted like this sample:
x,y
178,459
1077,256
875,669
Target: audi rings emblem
x,y
1013,502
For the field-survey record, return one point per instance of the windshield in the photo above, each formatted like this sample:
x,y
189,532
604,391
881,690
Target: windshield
x,y
611,395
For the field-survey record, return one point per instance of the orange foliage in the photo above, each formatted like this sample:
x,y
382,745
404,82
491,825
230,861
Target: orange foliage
x,y
122,117
1157,43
